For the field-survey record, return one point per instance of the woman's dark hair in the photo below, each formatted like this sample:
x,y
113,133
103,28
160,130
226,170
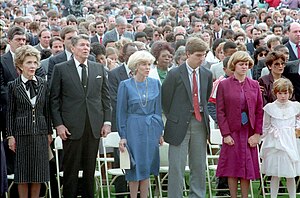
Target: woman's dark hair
x,y
257,52
273,56
159,46
216,43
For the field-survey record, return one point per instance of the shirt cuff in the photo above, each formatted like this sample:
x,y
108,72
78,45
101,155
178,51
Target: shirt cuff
x,y
107,122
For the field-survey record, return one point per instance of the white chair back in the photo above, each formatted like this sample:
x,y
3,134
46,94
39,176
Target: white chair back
x,y
58,143
111,140
163,154
216,136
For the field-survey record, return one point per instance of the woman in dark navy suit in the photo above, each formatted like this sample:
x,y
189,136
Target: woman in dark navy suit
x,y
28,124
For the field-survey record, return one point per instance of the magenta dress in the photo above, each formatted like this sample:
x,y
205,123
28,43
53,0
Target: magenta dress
x,y
239,160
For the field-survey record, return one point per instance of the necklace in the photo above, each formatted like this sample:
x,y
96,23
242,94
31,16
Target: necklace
x,y
144,95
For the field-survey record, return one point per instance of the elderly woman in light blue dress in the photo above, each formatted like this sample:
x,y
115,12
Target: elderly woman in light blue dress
x,y
139,122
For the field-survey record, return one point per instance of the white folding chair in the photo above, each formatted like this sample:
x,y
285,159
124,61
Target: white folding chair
x,y
98,177
216,141
164,168
112,140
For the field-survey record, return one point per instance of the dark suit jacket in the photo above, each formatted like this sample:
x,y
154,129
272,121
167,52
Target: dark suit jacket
x,y
38,47
115,76
70,104
95,39
220,36
59,58
250,48
21,119
177,102
229,108
267,82
292,55
291,72
113,36
256,70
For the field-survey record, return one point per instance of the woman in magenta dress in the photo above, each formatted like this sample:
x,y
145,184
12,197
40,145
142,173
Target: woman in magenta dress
x,y
240,116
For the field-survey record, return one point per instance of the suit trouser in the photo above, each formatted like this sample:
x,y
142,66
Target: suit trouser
x,y
193,146
80,155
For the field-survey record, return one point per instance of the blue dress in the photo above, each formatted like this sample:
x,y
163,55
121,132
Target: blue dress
x,y
139,121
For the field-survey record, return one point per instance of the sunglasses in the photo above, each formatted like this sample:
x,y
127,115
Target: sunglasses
x,y
262,54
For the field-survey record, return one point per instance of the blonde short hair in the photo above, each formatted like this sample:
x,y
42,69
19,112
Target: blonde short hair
x,y
283,85
139,57
23,52
239,56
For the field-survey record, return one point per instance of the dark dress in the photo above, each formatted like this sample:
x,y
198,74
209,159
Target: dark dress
x,y
30,126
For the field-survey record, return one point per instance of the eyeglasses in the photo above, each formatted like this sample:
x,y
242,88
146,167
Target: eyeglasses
x,y
276,65
262,54
138,21
156,35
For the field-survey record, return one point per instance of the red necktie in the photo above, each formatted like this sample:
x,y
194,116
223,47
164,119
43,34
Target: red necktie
x,y
100,40
298,49
195,98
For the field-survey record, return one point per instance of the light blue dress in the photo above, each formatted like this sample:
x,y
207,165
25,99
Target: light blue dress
x,y
139,121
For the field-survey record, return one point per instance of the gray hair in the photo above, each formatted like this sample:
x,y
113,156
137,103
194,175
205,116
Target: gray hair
x,y
139,57
179,52
75,39
121,20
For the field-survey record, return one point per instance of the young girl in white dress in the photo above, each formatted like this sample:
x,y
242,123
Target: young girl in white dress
x,y
279,152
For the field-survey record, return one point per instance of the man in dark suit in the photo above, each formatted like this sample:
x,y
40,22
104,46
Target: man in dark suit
x,y
115,76
66,34
217,28
44,40
294,40
292,72
256,33
100,28
118,32
185,93
81,113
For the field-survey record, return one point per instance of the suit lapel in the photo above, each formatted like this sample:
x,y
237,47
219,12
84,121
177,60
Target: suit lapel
x,y
74,74
123,73
21,90
92,75
186,81
40,87
203,84
8,60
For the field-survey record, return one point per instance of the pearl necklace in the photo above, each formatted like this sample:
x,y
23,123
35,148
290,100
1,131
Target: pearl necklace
x,y
144,95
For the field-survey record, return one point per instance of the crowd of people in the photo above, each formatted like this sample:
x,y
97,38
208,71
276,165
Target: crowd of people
x,y
157,72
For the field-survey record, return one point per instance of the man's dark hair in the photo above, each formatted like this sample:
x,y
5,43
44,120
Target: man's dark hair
x,y
229,45
15,30
277,26
140,35
45,53
256,41
98,49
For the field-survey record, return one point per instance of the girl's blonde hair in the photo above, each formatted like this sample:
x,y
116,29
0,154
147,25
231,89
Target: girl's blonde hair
x,y
283,85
